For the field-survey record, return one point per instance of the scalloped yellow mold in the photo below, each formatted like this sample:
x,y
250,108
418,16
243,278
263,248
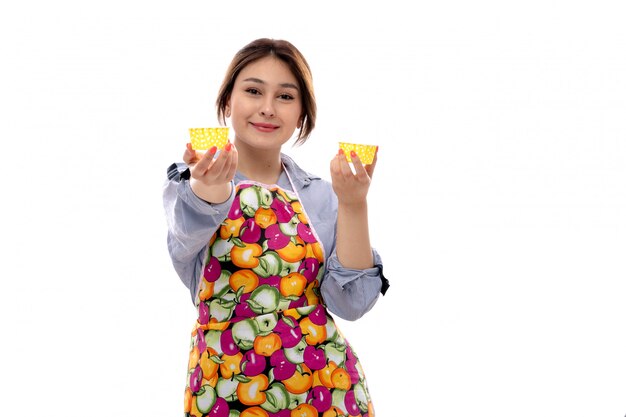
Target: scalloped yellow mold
x,y
203,138
365,152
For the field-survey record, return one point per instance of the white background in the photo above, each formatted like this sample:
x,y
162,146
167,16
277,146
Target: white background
x,y
498,203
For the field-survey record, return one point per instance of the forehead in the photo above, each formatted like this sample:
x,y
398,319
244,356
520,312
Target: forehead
x,y
270,70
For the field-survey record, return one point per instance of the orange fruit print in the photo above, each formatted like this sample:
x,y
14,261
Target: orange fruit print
x,y
264,344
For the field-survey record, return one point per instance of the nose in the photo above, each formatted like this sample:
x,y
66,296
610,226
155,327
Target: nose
x,y
267,108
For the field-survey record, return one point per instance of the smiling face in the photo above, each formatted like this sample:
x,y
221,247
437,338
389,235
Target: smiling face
x,y
265,106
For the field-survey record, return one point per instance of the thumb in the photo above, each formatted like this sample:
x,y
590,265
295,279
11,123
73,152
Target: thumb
x,y
190,156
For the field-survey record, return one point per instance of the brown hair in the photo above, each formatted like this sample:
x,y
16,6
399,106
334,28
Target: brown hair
x,y
290,55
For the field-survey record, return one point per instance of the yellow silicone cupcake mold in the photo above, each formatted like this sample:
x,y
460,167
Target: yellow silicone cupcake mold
x,y
365,152
203,138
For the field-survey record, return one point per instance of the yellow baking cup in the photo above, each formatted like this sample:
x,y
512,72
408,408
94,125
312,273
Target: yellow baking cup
x,y
203,138
365,152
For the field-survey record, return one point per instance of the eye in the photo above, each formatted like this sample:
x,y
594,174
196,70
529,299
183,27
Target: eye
x,y
287,97
253,91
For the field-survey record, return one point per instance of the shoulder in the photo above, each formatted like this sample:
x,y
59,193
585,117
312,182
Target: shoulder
x,y
310,186
296,172
303,178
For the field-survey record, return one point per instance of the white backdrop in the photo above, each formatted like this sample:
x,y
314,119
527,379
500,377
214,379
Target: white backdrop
x,y
498,203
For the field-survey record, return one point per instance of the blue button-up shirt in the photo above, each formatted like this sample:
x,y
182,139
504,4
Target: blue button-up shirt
x,y
348,293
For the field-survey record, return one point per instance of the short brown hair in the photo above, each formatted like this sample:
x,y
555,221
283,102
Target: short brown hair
x,y
290,55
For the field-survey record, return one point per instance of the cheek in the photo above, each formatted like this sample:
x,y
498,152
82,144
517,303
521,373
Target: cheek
x,y
295,115
240,110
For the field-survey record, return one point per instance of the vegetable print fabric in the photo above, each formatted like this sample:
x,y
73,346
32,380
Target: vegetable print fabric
x,y
264,344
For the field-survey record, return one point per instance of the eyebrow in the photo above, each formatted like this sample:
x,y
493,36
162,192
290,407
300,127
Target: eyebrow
x,y
284,85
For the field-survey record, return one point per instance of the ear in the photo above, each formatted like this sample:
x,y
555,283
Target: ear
x,y
299,125
227,110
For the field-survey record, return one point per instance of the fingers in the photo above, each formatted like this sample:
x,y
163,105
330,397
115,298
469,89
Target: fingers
x,y
350,185
344,166
203,163
361,172
222,165
359,169
211,169
339,165
190,156
231,163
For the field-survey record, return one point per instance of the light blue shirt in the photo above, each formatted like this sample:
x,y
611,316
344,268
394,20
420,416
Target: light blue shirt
x,y
348,293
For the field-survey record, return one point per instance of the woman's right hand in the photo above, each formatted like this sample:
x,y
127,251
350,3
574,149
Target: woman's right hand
x,y
211,177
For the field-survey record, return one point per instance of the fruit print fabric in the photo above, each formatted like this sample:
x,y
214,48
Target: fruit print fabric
x,y
264,344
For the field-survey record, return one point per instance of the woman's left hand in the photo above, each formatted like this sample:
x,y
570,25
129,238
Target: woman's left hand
x,y
351,187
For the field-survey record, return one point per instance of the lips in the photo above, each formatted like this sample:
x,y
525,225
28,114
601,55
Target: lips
x,y
265,127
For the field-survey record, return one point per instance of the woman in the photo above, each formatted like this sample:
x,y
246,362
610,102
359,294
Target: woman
x,y
268,249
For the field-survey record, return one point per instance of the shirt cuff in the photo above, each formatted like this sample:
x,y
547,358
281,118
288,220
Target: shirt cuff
x,y
344,276
201,206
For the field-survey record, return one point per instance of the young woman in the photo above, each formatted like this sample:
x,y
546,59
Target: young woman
x,y
267,250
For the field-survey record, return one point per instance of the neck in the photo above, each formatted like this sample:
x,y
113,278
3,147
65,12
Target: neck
x,y
263,166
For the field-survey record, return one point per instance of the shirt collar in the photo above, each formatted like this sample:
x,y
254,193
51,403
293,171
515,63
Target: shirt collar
x,y
297,174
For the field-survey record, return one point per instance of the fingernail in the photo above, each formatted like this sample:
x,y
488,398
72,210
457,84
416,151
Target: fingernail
x,y
213,149
228,146
341,151
352,154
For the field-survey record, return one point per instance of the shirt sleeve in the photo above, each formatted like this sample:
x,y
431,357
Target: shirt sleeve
x,y
350,293
191,222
